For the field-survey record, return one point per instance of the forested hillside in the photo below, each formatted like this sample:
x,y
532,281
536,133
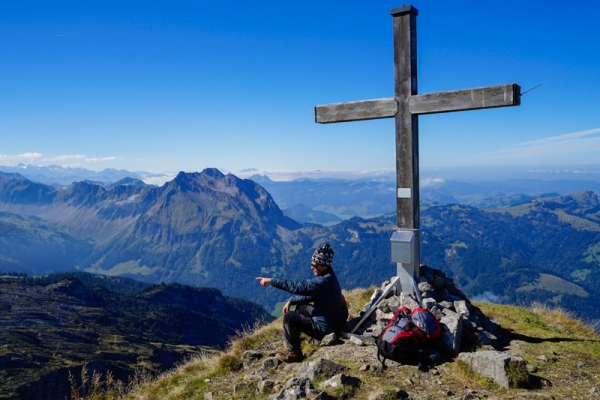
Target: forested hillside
x,y
546,250
54,325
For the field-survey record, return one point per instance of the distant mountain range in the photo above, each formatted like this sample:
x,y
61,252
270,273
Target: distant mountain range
x,y
211,229
55,174
329,200
343,198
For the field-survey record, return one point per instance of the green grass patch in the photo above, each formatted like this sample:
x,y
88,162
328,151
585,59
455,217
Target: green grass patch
x,y
555,284
228,363
278,309
517,375
592,254
581,274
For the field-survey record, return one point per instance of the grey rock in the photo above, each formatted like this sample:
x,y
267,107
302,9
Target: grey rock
x,y
485,338
297,387
240,387
446,305
495,365
407,300
384,317
329,339
340,380
270,363
461,307
376,330
384,306
429,302
322,366
532,368
451,332
437,310
251,355
266,386
449,313
426,287
394,303
356,340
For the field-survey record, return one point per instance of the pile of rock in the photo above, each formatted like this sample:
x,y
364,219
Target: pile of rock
x,y
463,324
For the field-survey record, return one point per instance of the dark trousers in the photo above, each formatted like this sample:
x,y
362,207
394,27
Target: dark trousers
x,y
295,322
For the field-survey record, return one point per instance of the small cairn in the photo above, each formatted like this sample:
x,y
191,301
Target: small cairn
x,y
464,326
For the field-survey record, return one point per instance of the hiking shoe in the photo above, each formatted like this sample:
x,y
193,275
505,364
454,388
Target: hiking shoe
x,y
289,356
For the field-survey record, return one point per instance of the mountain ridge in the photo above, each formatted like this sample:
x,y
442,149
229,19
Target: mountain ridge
x,y
214,229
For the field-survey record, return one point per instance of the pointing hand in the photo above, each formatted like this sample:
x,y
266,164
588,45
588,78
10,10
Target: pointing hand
x,y
263,281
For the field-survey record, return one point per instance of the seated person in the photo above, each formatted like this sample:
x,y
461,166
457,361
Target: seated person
x,y
320,307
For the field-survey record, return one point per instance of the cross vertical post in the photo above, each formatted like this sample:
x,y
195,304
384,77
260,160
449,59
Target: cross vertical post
x,y
405,107
407,147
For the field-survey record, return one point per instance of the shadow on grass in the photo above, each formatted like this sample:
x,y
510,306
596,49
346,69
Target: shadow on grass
x,y
533,339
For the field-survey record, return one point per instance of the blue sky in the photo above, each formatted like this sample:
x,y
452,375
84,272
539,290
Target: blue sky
x,y
186,85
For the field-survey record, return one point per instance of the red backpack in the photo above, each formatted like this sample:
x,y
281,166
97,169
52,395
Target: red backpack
x,y
402,338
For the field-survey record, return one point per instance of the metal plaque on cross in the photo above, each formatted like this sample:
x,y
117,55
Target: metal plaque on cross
x,y
405,107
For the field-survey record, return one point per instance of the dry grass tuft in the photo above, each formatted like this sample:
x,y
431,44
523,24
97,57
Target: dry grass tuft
x,y
563,321
357,298
190,378
255,337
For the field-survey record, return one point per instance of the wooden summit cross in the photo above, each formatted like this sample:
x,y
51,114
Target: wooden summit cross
x,y
406,106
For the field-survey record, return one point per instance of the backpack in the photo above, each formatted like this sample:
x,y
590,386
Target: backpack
x,y
404,335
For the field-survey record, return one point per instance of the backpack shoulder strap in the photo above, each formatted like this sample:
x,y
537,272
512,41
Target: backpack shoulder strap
x,y
381,359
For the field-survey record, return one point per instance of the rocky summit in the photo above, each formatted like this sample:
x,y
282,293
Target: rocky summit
x,y
530,355
463,325
464,329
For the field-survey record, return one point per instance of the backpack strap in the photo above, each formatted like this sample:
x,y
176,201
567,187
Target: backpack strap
x,y
380,357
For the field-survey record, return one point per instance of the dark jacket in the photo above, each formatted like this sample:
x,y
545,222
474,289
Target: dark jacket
x,y
324,292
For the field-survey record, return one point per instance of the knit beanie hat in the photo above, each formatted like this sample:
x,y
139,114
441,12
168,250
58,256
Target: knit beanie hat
x,y
323,256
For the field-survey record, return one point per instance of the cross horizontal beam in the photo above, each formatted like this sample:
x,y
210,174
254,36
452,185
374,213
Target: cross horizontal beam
x,y
465,99
356,110
428,103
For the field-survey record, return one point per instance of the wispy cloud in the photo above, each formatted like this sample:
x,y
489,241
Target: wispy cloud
x,y
569,144
12,159
384,174
66,160
430,182
489,297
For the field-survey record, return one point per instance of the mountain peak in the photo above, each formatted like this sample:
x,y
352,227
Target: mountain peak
x,y
261,179
586,198
213,173
12,175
